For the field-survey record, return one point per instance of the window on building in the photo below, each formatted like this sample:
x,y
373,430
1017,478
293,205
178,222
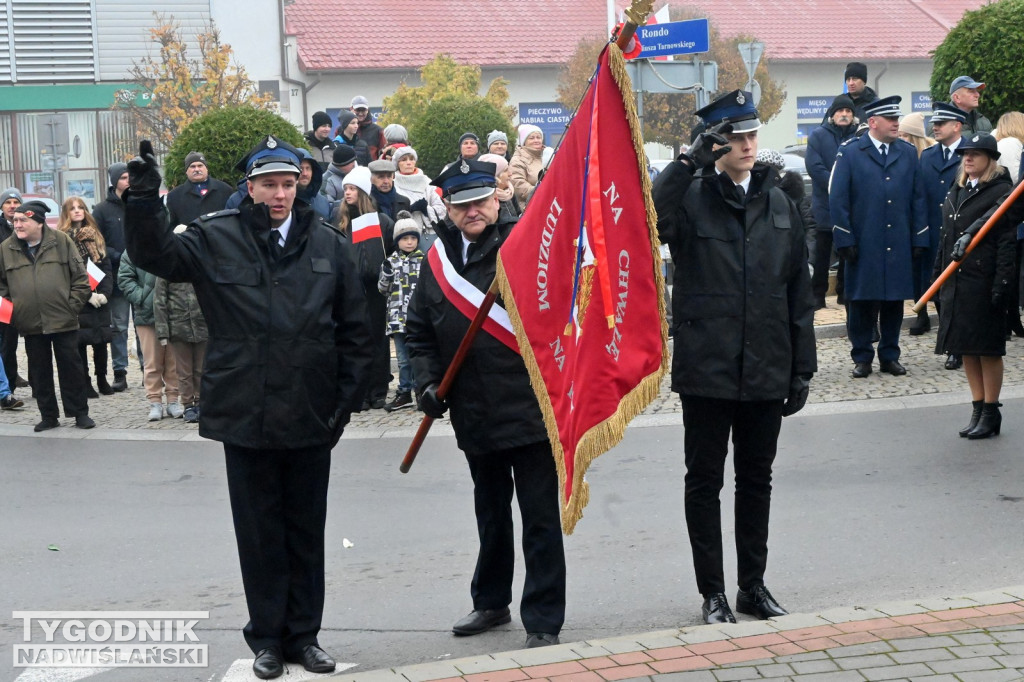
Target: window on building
x,y
47,41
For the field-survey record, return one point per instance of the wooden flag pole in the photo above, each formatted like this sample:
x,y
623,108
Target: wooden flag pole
x,y
951,268
449,375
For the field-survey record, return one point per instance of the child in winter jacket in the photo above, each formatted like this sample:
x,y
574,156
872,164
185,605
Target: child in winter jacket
x,y
398,277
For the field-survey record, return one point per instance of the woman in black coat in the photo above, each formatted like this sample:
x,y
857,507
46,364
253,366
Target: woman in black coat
x,y
94,319
972,302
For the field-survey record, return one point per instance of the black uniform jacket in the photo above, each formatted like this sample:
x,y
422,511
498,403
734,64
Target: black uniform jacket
x,y
968,322
289,342
742,310
492,404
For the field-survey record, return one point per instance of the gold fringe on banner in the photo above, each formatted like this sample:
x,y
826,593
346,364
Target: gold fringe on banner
x,y
605,435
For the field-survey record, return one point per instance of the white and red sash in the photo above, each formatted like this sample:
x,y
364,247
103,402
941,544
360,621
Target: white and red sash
x,y
467,298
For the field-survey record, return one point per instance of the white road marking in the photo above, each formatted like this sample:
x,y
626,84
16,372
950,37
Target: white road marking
x,y
241,671
58,674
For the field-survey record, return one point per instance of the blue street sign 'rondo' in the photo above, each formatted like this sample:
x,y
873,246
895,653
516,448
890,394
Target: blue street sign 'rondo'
x,y
676,37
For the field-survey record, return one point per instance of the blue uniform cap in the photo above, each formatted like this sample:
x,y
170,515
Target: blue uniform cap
x,y
467,180
272,155
941,111
888,107
736,107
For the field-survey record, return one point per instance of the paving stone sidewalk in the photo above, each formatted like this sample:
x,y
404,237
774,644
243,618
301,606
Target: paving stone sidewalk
x,y
832,384
974,638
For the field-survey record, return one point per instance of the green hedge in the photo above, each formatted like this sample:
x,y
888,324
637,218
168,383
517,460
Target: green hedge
x,y
985,45
224,136
436,133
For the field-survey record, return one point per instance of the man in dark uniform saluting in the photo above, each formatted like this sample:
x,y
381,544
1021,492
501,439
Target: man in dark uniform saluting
x,y
287,361
495,413
744,338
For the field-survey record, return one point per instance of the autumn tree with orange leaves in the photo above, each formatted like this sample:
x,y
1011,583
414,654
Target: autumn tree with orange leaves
x,y
668,118
180,88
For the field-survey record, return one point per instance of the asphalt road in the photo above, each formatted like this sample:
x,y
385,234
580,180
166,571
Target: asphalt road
x,y
869,507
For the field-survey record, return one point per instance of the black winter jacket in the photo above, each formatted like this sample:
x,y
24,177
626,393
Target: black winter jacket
x,y
184,205
109,216
289,343
492,404
968,322
743,316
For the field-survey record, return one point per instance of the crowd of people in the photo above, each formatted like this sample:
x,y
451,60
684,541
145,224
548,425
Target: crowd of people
x,y
893,195
282,298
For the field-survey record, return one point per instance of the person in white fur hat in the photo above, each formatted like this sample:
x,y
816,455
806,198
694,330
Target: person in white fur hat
x,y
527,162
411,182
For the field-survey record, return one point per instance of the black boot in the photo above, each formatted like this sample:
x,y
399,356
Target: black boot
x,y
120,380
989,423
975,416
90,392
924,324
103,386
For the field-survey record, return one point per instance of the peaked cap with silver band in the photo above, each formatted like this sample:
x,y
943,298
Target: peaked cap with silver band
x,y
735,108
888,107
941,111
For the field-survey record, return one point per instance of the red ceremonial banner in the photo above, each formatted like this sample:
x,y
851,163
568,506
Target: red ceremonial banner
x,y
6,310
581,279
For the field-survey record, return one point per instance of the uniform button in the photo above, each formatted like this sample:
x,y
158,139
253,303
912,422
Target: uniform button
x,y
886,177
889,201
889,225
888,249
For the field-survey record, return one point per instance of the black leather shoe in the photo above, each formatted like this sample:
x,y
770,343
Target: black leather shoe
x,y
892,367
481,621
315,660
716,609
84,421
954,361
758,601
539,639
861,370
268,664
46,425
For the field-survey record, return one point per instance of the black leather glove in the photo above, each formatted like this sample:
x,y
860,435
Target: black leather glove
x,y
337,424
919,251
960,248
799,387
999,301
848,254
419,205
143,172
431,405
702,153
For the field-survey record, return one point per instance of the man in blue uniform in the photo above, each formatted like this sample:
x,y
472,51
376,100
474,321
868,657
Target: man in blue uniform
x,y
494,412
840,125
879,223
743,324
287,363
939,164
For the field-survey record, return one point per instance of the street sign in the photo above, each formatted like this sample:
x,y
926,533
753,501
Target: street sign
x,y
751,54
675,37
673,77
52,132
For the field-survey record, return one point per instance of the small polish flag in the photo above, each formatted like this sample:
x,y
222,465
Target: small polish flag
x,y
366,226
95,274
6,310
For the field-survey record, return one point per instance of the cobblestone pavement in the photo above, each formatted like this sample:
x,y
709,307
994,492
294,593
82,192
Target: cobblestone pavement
x,y
832,384
975,638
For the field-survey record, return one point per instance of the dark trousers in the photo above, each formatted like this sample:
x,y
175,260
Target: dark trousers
x,y
279,507
530,472
9,351
860,325
380,366
42,350
822,261
755,426
99,358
